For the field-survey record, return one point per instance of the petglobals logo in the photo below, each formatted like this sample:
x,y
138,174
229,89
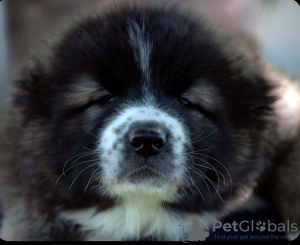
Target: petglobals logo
x,y
251,226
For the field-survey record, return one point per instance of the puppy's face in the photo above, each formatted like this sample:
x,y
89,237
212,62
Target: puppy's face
x,y
146,103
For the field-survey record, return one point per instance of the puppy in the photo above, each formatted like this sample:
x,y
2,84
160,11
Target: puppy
x,y
131,120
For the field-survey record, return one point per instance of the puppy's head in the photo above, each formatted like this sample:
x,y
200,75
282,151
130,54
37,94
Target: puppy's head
x,y
143,101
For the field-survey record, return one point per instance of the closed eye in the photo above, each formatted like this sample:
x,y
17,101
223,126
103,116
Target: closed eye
x,y
184,101
195,106
104,100
107,99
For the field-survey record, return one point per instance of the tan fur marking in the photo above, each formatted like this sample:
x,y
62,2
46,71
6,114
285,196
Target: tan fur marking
x,y
203,94
83,91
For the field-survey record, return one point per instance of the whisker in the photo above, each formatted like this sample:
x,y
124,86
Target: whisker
x,y
94,187
87,185
97,176
183,189
200,175
207,167
210,134
80,173
89,132
91,160
193,183
64,173
81,155
91,153
216,171
188,184
222,166
88,148
213,169
193,141
196,172
214,187
197,136
206,149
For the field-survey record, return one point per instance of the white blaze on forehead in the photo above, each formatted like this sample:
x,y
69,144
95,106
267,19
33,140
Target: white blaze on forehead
x,y
142,47
112,139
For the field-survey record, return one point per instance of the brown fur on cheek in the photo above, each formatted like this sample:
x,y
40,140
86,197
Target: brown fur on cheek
x,y
34,169
285,184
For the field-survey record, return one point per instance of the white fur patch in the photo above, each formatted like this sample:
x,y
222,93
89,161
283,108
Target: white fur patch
x,y
142,50
133,218
111,157
166,192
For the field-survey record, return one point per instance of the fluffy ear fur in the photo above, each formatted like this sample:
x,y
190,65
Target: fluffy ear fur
x,y
12,207
284,181
281,183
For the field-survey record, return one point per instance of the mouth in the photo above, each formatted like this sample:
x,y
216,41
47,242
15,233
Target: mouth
x,y
143,181
144,174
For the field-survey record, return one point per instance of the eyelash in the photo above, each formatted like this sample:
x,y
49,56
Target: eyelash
x,y
106,99
198,108
184,101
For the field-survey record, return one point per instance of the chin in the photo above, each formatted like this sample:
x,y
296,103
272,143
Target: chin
x,y
134,120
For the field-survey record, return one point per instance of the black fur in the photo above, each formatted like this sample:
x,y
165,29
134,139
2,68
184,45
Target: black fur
x,y
186,51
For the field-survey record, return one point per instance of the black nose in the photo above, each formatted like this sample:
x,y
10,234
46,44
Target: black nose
x,y
147,141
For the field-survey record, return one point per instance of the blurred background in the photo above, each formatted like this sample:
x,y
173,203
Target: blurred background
x,y
274,24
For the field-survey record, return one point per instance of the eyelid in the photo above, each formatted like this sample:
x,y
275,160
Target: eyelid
x,y
184,101
107,98
197,106
99,100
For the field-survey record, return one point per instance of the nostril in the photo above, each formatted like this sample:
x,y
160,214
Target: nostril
x,y
136,142
158,142
147,141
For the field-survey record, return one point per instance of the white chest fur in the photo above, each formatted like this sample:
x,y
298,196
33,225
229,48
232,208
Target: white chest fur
x,y
133,218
